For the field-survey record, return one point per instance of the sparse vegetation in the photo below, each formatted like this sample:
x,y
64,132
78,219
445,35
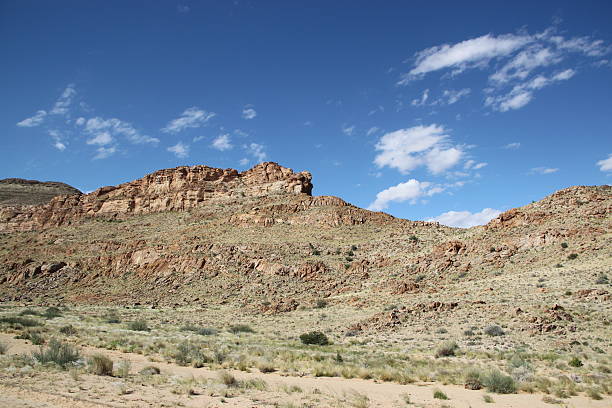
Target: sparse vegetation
x,y
57,353
138,325
494,330
241,328
447,349
572,256
314,337
499,383
438,394
3,348
575,362
99,364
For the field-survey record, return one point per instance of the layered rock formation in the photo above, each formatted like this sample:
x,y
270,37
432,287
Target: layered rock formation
x,y
19,192
176,189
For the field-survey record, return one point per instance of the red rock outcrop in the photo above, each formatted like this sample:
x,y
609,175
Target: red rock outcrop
x,y
176,189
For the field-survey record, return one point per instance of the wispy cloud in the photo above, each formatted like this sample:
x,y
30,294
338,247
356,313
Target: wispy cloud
x,y
512,146
422,100
257,151
180,150
605,164
517,59
407,149
62,105
105,152
222,142
99,127
348,130
249,112
410,191
466,219
33,121
193,117
543,170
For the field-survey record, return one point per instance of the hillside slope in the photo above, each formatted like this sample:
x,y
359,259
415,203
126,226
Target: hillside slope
x,y
19,192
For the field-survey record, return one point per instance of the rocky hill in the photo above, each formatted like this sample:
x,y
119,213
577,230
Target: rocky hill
x,y
20,192
200,235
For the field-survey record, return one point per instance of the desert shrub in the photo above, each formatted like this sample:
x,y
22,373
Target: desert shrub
x,y
36,338
265,366
593,393
58,353
227,379
68,330
494,330
321,303
488,399
499,383
189,353
413,238
202,331
575,362
3,347
564,245
123,369
138,325
447,349
52,312
241,328
468,333
473,379
150,370
602,280
18,321
572,256
29,312
314,337
99,364
438,394
112,318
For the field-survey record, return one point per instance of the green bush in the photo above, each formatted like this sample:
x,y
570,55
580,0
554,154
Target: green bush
x,y
321,303
17,321
314,337
68,330
241,328
447,349
29,312
150,370
499,383
3,347
202,331
575,362
52,312
138,325
572,256
57,353
99,364
494,330
437,394
473,379
564,245
189,353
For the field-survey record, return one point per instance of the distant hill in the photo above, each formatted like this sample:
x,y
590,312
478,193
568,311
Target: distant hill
x,y
17,192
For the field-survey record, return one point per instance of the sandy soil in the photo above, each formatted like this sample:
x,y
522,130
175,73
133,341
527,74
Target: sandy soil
x,y
24,394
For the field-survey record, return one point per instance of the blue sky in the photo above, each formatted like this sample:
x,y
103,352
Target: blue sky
x,y
451,111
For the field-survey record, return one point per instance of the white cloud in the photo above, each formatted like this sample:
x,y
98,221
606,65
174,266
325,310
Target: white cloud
x,y
244,161
422,100
472,165
372,130
407,149
348,130
520,66
543,170
411,190
115,127
80,121
193,117
63,103
466,219
59,146
104,152
249,113
513,145
453,96
180,150
473,52
101,139
33,121
222,142
522,94
257,151
480,166
605,164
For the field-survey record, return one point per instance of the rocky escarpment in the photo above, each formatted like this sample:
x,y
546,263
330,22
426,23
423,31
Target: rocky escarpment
x,y
19,192
177,189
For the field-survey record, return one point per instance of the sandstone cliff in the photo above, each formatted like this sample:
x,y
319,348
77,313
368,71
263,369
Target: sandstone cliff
x,y
176,189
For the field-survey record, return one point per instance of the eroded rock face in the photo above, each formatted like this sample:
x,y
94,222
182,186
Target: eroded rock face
x,y
176,189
